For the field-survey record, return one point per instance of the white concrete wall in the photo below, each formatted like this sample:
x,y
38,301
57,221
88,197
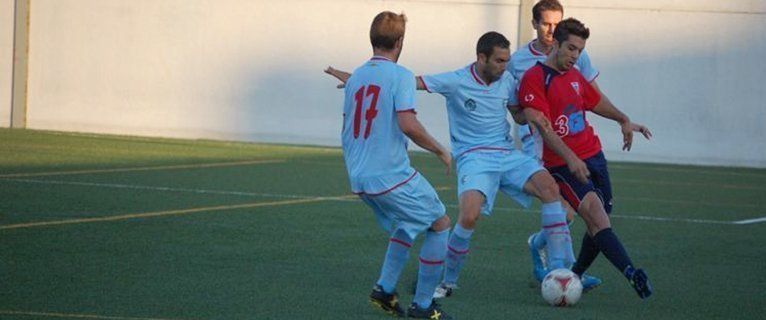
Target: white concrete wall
x,y
6,60
252,70
244,70
691,70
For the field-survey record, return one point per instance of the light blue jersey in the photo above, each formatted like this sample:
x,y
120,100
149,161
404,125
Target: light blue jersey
x,y
374,147
477,111
527,57
521,61
479,132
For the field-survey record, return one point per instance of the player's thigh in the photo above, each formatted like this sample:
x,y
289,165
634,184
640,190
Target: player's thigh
x,y
479,172
520,169
412,207
571,188
600,176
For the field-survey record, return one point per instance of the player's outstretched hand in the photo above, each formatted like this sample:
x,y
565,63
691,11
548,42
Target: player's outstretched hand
x,y
340,75
446,159
627,134
579,169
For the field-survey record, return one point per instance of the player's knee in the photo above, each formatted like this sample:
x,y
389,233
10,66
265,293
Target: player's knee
x,y
592,210
470,206
549,190
441,224
468,220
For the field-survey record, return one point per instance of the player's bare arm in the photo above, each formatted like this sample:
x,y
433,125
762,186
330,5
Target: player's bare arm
x,y
517,114
606,109
412,128
343,77
553,141
338,74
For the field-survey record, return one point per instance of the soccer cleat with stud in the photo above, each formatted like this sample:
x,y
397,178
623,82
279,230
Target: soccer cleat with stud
x,y
444,290
388,302
539,269
589,282
640,282
433,312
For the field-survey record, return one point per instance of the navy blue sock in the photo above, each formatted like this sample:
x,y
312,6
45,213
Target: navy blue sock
x,y
612,248
588,253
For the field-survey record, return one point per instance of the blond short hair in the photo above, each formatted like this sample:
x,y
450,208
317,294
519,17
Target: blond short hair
x,y
386,29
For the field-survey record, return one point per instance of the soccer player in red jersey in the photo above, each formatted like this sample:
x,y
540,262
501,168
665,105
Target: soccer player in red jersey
x,y
554,97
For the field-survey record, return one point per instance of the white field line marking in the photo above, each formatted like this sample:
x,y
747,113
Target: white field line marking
x,y
633,181
184,211
170,167
690,202
71,315
691,171
351,198
160,188
751,221
621,167
690,184
649,218
168,212
290,196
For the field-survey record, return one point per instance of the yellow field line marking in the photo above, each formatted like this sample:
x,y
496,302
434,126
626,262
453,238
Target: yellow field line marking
x,y
169,212
181,166
73,315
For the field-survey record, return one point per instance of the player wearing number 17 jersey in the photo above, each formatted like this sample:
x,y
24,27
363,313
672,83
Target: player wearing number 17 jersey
x,y
477,98
378,116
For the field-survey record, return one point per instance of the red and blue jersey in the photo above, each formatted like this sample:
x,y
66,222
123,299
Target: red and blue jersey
x,y
563,97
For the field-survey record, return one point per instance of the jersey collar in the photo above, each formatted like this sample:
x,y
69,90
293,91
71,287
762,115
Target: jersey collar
x,y
535,51
378,58
475,75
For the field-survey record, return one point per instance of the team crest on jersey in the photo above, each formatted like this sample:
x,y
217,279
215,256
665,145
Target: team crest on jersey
x,y
529,97
576,87
470,105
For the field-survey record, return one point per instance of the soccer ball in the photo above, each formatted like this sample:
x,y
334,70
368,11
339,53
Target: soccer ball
x,y
561,288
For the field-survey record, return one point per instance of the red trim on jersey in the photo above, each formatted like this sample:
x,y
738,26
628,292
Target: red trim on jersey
x,y
424,83
569,194
455,251
395,240
390,189
483,148
475,77
534,51
431,262
555,225
408,110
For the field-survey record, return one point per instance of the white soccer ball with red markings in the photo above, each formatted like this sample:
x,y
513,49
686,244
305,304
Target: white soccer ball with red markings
x,y
561,288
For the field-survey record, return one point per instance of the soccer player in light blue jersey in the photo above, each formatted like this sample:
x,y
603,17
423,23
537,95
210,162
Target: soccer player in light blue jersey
x,y
478,96
378,117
